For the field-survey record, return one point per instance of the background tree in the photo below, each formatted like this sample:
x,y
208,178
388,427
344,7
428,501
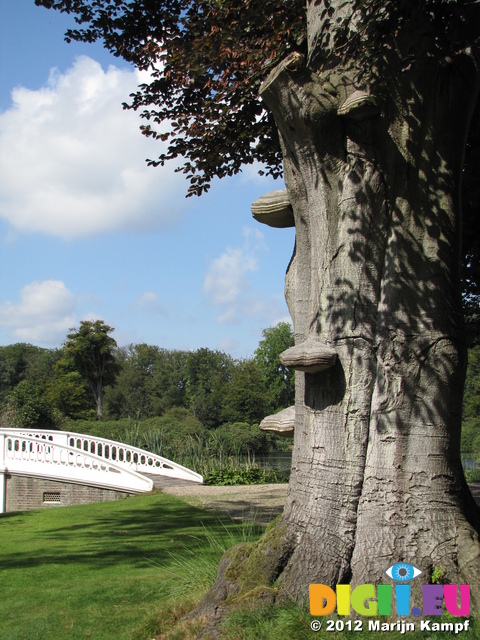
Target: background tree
x,y
207,374
13,362
246,397
470,267
239,438
90,351
27,374
68,392
169,381
130,395
27,407
279,379
23,361
373,110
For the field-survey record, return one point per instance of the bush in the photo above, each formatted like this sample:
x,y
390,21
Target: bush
x,y
472,475
243,475
241,438
27,408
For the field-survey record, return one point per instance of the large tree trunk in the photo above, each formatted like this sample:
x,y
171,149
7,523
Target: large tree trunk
x,y
376,472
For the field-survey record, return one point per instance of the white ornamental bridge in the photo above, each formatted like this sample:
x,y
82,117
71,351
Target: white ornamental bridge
x,y
82,459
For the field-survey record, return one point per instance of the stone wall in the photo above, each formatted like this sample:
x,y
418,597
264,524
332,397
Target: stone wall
x,y
29,492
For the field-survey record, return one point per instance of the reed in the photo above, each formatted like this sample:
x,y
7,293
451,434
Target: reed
x,y
206,454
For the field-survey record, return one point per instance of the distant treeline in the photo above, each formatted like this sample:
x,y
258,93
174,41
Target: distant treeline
x,y
91,378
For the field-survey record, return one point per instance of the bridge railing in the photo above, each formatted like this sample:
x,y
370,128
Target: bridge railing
x,y
120,454
27,455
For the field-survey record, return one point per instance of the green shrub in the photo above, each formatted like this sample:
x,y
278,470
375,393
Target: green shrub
x,y
27,408
241,438
237,475
472,475
438,576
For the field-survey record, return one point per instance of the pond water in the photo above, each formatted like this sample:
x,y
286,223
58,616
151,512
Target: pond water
x,y
279,460
282,460
470,461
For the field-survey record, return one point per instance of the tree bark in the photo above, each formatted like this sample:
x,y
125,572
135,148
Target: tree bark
x,y
99,399
376,473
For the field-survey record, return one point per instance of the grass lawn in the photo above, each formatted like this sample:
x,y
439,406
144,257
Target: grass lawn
x,y
99,571
127,570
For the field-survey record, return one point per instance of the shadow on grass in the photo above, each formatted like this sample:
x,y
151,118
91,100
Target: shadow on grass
x,y
119,533
15,514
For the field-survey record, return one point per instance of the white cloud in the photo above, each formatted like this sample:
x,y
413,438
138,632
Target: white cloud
x,y
147,298
149,302
229,284
228,345
270,309
226,277
73,161
43,315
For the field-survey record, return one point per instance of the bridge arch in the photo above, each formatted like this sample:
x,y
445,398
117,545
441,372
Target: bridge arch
x,y
82,459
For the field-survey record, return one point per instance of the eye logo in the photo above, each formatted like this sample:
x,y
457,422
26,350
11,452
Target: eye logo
x,y
403,572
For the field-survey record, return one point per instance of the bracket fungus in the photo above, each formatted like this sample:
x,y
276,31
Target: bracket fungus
x,y
358,106
274,209
311,356
281,423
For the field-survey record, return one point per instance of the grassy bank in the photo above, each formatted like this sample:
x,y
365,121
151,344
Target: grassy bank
x,y
101,570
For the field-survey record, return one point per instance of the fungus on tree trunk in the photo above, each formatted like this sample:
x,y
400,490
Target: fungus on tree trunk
x,y
281,423
274,209
359,105
311,356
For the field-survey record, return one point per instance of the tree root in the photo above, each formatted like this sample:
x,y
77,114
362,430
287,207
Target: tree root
x,y
246,578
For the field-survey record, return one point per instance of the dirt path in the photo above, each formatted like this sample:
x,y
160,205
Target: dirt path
x,y
256,503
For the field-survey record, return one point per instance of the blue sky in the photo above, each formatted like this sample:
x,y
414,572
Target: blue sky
x,y
88,231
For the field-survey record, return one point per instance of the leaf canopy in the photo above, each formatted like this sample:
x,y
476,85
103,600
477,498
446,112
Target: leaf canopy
x,y
206,60
90,349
